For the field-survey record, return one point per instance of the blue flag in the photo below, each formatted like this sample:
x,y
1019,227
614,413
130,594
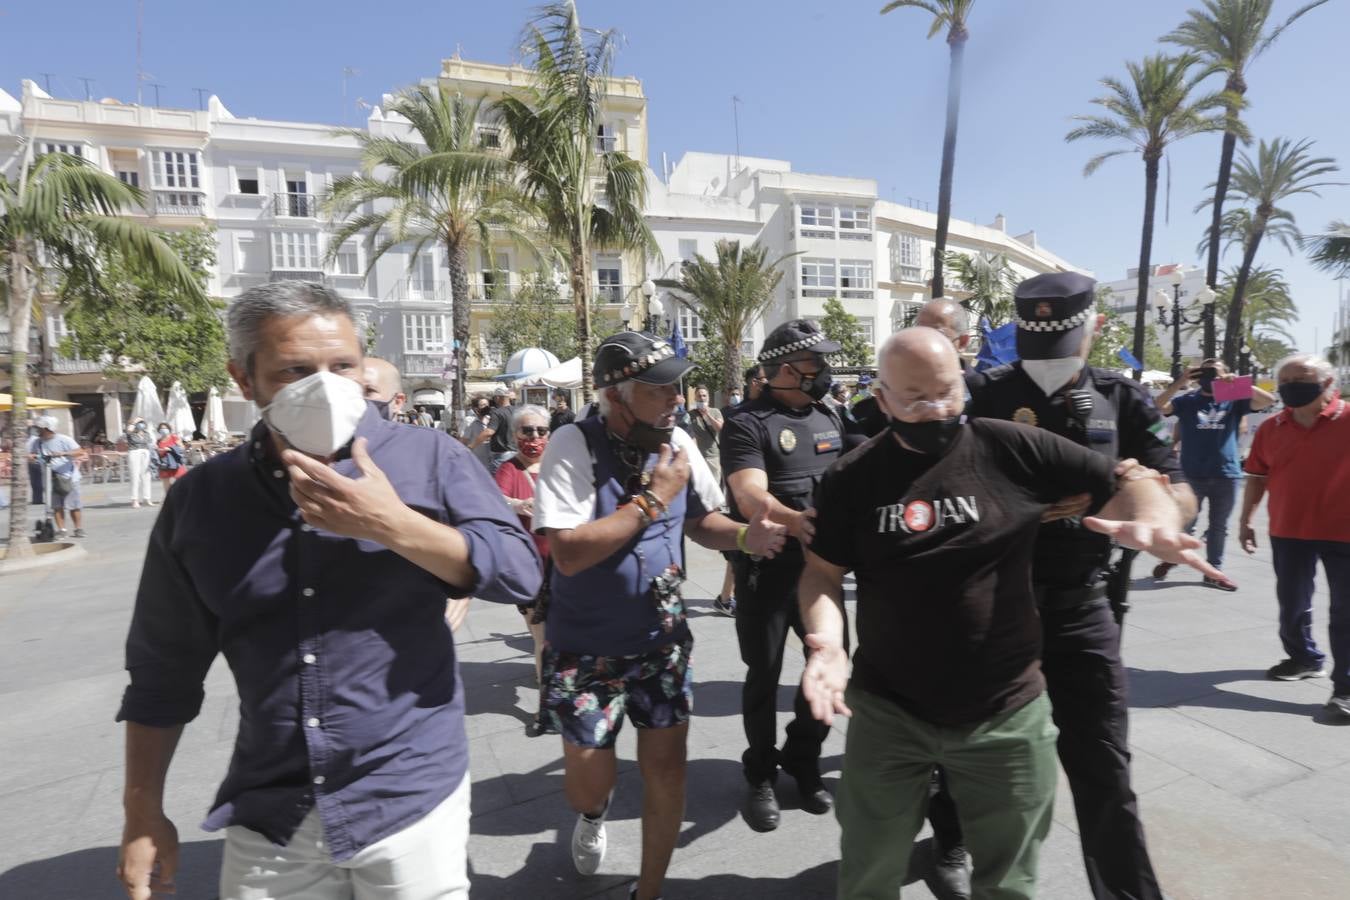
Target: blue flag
x,y
677,340
998,346
1130,359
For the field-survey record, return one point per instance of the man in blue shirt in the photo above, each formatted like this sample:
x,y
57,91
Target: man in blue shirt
x,y
58,452
317,558
1207,429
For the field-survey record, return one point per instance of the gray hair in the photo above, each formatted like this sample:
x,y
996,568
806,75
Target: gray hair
x,y
625,389
529,409
255,306
1318,364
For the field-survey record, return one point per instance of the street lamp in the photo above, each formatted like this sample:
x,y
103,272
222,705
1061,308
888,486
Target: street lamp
x,y
1245,359
654,310
1175,317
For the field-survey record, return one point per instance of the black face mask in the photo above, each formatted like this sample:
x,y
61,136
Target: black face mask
x,y
931,437
1300,393
814,386
647,438
1206,385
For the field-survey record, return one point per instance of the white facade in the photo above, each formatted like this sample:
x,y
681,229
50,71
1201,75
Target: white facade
x,y
874,255
1125,294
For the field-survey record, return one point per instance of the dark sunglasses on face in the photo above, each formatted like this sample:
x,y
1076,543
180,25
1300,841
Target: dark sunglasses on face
x,y
528,431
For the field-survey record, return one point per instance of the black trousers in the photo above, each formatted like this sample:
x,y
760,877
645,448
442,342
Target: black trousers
x,y
1085,679
766,607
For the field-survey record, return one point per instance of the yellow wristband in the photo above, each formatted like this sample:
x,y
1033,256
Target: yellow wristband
x,y
740,539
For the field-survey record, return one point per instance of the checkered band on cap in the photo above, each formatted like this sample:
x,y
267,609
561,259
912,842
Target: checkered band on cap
x,y
787,349
1062,325
660,350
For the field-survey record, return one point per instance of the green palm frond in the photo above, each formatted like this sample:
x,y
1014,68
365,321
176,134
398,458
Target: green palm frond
x,y
950,14
1330,251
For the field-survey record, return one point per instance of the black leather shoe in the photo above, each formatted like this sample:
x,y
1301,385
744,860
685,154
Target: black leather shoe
x,y
815,799
951,872
761,807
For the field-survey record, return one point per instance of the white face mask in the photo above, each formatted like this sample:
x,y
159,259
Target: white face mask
x,y
317,414
1052,374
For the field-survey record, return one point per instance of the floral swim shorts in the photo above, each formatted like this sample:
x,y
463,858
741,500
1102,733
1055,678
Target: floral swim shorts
x,y
586,696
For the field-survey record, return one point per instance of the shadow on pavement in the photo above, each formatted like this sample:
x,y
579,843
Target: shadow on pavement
x,y
91,875
1157,687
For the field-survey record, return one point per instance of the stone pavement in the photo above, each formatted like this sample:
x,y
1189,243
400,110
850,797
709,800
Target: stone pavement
x,y
1244,784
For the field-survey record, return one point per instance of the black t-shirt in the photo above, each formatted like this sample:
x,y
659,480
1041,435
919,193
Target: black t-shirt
x,y
499,420
793,447
941,548
560,417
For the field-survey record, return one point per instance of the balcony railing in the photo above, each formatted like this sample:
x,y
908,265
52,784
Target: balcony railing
x,y
296,206
179,203
411,289
317,276
423,364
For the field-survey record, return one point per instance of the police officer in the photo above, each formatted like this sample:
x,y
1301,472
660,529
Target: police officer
x,y
774,450
1052,387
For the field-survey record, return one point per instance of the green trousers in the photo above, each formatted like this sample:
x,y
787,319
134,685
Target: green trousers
x,y
1002,777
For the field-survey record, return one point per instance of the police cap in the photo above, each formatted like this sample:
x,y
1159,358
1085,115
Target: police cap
x,y
793,337
1052,311
637,356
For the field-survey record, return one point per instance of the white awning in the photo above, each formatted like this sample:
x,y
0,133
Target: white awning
x,y
566,376
429,396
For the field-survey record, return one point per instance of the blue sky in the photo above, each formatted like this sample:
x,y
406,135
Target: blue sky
x,y
835,88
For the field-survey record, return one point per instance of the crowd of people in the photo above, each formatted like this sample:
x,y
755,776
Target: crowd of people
x,y
988,519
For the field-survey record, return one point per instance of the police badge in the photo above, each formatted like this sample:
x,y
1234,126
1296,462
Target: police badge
x,y
1026,416
787,440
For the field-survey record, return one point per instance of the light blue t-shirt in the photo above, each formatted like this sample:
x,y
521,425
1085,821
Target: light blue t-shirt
x,y
59,443
1207,429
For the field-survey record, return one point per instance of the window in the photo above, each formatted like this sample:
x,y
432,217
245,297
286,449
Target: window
x,y
250,256
691,323
818,273
295,250
855,274
605,141
905,264
72,149
817,215
865,330
348,259
423,281
131,179
688,248
489,137
496,274
608,272
423,333
855,218
175,169
249,185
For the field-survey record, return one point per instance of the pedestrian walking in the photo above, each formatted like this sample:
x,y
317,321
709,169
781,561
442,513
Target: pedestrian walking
x,y
140,471
59,453
170,458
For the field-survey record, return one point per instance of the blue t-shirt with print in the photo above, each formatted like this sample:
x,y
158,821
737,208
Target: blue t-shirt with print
x,y
1207,429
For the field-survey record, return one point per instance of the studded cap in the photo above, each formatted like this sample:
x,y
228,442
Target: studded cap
x,y
1052,310
793,337
637,356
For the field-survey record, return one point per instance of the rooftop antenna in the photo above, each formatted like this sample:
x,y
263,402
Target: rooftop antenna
x,y
156,86
88,92
140,31
47,81
347,72
201,97
736,119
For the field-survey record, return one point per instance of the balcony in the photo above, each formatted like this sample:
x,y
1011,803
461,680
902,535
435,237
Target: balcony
x,y
424,364
615,294
902,274
316,276
179,203
856,293
415,289
295,206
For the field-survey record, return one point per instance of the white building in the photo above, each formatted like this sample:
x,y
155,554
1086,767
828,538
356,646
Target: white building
x,y
1164,281
874,255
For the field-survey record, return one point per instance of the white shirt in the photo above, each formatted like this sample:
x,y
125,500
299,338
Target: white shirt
x,y
564,494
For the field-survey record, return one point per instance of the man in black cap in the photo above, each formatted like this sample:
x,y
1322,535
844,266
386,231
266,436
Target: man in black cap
x,y
774,451
1052,387
616,495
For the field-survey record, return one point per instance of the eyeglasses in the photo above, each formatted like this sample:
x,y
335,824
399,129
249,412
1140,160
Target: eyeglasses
x,y
528,431
942,406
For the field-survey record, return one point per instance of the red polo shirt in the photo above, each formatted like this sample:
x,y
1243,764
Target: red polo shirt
x,y
1307,472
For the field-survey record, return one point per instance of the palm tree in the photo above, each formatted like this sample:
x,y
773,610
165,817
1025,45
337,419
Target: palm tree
x,y
586,194
1282,169
1228,35
446,190
990,282
1330,250
953,15
62,214
729,294
1269,306
1154,110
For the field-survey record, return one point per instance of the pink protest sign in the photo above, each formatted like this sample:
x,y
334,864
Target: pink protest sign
x,y
1240,388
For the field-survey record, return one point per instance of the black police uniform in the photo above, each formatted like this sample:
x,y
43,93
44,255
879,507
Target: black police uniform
x,y
793,448
1081,660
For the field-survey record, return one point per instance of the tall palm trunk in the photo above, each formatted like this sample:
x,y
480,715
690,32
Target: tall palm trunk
x,y
20,317
731,363
457,254
957,40
1216,217
581,308
1145,254
1232,332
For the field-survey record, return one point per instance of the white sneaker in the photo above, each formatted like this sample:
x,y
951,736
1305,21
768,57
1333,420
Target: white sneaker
x,y
588,843
1339,703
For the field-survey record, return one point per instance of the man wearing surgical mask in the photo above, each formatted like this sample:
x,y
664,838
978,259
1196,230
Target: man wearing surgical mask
x,y
1299,457
1051,387
320,573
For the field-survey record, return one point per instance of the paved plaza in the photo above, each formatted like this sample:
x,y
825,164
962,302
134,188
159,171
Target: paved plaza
x,y
1244,783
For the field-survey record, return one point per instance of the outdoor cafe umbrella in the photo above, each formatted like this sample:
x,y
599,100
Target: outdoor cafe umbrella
x,y
213,422
7,403
179,413
112,416
147,405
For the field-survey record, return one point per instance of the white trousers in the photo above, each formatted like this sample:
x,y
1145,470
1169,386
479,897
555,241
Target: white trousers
x,y
425,861
138,467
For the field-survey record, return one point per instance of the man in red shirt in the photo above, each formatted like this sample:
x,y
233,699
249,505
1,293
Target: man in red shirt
x,y
1300,457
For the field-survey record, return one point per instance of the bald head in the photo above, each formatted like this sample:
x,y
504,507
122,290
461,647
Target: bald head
x,y
384,384
917,365
948,317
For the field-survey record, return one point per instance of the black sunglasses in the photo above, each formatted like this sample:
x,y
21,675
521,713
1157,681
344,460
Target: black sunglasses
x,y
528,431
